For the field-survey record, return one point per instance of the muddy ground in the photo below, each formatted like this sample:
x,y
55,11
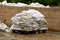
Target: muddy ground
x,y
50,35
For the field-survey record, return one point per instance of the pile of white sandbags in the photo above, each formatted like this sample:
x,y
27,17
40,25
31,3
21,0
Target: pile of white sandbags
x,y
17,4
28,20
38,5
4,3
4,27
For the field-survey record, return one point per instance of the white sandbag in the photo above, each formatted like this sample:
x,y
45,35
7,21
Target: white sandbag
x,y
4,27
35,13
0,3
38,5
4,3
21,4
15,27
17,4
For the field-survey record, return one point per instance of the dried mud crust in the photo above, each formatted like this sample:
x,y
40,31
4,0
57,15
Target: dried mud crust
x,y
50,35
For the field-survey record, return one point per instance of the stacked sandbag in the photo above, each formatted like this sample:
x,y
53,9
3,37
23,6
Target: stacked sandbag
x,y
19,4
5,3
28,20
38,5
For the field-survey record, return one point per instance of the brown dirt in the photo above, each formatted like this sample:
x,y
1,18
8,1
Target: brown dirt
x,y
50,35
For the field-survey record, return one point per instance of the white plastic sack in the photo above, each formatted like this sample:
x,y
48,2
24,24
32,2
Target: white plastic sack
x,y
4,27
38,5
0,3
17,4
4,3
